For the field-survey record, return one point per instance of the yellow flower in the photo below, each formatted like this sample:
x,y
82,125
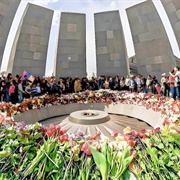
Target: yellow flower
x,y
171,100
76,97
91,94
119,139
127,130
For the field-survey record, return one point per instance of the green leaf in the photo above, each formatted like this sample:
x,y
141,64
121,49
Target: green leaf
x,y
27,132
34,149
177,152
26,148
40,155
25,140
3,154
161,146
37,125
100,161
11,135
37,135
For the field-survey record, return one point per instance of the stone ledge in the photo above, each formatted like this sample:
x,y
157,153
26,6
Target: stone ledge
x,y
140,112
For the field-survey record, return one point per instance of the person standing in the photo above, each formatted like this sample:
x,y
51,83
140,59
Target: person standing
x,y
100,82
143,84
122,83
148,83
153,83
172,84
61,85
20,91
13,92
68,85
133,85
163,84
176,81
2,90
38,89
127,82
106,84
116,83
77,85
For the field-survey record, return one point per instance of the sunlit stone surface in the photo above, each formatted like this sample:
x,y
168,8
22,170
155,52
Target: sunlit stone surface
x,y
71,55
8,9
172,8
116,123
32,43
110,48
89,118
153,51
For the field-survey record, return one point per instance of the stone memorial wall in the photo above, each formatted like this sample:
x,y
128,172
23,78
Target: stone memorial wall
x,y
172,8
110,47
32,44
153,51
71,54
8,10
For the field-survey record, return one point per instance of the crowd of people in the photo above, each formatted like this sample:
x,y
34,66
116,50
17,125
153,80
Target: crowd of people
x,y
15,89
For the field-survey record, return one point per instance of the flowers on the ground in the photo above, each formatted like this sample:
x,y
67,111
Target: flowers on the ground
x,y
38,152
35,151
168,107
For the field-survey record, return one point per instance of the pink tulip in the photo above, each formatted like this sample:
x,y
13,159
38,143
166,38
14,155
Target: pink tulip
x,y
167,122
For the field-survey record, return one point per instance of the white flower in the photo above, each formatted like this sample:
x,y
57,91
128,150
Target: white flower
x,y
122,144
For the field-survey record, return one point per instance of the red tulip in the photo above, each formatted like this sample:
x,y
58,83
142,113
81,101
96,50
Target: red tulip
x,y
158,129
84,146
143,130
58,128
152,145
133,152
64,137
49,133
135,133
127,137
88,152
94,136
114,134
132,143
63,132
52,127
141,134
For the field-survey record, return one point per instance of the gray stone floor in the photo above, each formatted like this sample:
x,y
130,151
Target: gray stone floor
x,y
116,123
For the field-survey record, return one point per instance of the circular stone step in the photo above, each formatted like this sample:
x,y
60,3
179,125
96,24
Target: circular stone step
x,y
115,123
89,117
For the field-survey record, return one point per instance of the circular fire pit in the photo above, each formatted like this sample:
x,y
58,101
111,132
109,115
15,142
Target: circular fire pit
x,y
89,117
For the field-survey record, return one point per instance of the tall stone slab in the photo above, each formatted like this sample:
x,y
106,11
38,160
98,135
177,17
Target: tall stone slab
x,y
32,43
71,52
8,10
152,48
110,47
172,8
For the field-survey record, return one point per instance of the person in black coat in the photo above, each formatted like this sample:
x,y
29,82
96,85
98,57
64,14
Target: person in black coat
x,y
153,84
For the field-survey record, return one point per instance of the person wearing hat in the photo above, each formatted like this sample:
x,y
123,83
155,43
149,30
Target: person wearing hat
x,y
163,84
